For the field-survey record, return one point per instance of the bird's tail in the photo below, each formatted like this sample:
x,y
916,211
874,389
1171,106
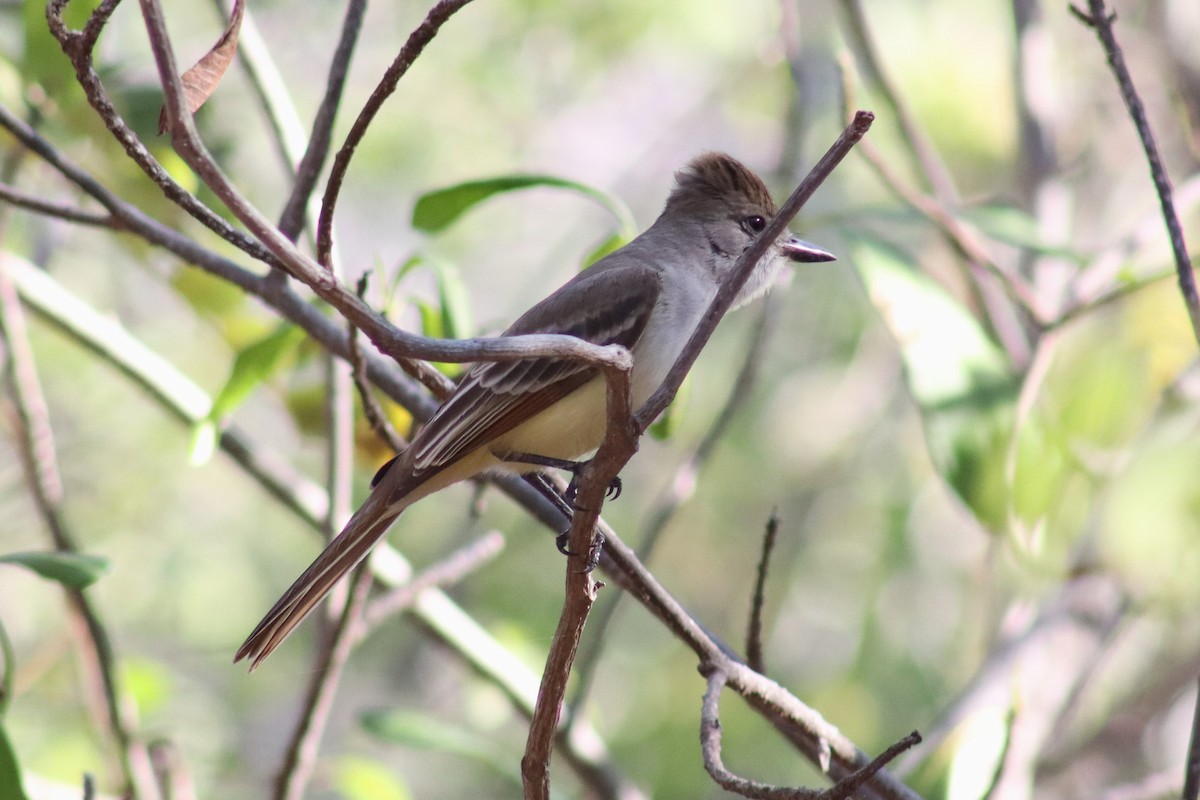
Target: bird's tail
x,y
350,546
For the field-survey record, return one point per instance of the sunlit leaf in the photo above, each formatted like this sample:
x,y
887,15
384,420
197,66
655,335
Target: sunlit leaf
x,y
979,744
150,683
358,778
202,79
958,377
10,770
438,209
610,245
74,570
454,301
664,427
253,365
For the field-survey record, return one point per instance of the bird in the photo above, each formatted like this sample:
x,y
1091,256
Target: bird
x,y
524,415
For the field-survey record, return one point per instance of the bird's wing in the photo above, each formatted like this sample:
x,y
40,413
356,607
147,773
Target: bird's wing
x,y
496,397
492,399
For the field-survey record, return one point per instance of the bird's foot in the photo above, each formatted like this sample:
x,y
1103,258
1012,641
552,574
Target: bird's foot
x,y
561,542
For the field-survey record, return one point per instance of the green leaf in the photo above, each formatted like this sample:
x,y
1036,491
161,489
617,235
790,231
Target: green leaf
x,y
73,570
437,210
358,778
610,245
427,733
10,770
454,301
665,426
10,668
959,378
253,365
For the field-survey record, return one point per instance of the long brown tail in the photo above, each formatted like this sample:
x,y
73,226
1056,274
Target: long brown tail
x,y
350,546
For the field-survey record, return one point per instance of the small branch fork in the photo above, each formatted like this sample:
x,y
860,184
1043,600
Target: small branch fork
x,y
620,443
710,747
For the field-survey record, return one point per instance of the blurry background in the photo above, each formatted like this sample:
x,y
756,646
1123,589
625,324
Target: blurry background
x,y
988,514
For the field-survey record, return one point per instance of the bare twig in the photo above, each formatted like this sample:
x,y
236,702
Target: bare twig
x,y
1101,21
710,746
754,645
399,344
374,414
821,743
449,570
924,157
413,47
309,168
300,757
20,199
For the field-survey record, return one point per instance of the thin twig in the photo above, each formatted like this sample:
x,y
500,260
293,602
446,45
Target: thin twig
x,y
820,742
399,344
1101,21
309,168
449,570
924,157
710,747
16,197
300,756
976,263
619,445
413,47
754,645
374,414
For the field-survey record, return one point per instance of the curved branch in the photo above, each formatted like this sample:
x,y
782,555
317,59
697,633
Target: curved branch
x,y
413,47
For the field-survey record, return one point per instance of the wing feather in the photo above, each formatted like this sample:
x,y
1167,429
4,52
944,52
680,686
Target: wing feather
x,y
496,397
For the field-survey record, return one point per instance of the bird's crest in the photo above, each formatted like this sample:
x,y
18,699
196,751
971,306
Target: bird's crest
x,y
720,175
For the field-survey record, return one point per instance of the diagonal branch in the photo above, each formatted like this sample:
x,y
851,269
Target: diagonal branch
x,y
1101,21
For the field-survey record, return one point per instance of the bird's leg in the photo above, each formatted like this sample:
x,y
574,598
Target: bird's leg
x,y
573,467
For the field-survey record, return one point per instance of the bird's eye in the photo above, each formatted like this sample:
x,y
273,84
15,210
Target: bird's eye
x,y
754,223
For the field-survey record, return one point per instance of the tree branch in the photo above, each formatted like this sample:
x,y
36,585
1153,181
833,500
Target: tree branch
x,y
1101,21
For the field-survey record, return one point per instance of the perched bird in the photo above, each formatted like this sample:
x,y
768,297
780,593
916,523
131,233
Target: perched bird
x,y
522,415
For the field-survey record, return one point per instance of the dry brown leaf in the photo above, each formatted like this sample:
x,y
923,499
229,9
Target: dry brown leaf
x,y
202,79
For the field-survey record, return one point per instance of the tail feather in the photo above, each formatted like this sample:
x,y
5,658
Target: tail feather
x,y
365,528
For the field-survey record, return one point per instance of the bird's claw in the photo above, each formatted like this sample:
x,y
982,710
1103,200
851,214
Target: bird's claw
x,y
561,542
612,492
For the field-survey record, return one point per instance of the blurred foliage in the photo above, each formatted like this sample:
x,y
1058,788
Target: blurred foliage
x,y
989,545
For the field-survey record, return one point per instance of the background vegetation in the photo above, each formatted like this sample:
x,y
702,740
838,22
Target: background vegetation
x,y
978,429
